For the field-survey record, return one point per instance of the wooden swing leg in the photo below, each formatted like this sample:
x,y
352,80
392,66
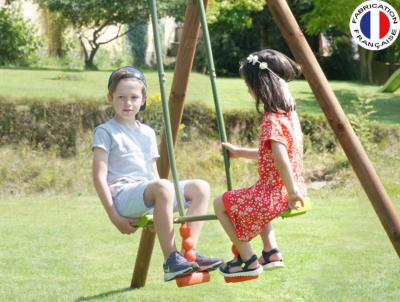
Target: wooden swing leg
x,y
143,258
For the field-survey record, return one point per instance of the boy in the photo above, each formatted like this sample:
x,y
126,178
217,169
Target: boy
x,y
126,177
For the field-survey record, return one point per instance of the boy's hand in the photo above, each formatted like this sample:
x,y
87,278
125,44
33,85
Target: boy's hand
x,y
293,200
233,150
124,225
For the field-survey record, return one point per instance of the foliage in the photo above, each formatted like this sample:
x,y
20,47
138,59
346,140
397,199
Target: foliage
x,y
153,115
97,16
233,15
268,34
238,28
340,65
137,40
363,108
56,126
328,14
18,39
227,21
335,15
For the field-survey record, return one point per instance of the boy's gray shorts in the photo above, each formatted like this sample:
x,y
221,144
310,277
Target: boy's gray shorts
x,y
129,201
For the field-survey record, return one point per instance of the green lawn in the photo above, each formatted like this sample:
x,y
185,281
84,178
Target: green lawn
x,y
66,85
63,248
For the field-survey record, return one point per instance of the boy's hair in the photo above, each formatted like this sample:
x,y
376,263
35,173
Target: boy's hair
x,y
127,72
266,73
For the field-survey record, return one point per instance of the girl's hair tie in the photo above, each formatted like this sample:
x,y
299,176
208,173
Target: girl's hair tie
x,y
253,59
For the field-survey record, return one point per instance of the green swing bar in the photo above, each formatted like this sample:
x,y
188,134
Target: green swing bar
x,y
167,125
166,116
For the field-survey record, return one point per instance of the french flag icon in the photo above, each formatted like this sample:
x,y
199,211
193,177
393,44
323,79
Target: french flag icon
x,y
375,24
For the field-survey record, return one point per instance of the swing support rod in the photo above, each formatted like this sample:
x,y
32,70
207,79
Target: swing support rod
x,y
213,78
195,218
337,119
184,63
166,118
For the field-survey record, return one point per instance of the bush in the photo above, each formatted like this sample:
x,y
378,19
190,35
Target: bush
x,y
18,41
55,125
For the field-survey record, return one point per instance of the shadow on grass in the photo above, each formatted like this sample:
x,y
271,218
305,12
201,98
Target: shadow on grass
x,y
104,295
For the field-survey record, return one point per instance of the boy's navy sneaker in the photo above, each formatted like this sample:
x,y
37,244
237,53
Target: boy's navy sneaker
x,y
207,263
176,266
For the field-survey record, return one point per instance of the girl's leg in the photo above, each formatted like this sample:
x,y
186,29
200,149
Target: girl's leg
x,y
160,193
269,242
244,248
198,192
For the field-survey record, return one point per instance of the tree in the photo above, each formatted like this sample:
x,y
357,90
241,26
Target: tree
x,y
234,14
18,40
55,25
327,15
239,27
97,15
227,22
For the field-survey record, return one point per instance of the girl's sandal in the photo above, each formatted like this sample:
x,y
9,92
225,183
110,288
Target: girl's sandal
x,y
268,264
246,271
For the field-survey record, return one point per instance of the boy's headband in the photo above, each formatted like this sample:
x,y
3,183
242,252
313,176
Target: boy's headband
x,y
131,72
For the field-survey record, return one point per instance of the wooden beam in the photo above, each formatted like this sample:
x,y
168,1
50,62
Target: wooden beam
x,y
337,119
183,67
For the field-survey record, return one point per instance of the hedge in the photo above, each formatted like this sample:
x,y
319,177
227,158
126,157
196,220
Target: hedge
x,y
55,124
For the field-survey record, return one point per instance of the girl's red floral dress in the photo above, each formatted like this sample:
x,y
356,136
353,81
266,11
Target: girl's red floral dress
x,y
250,209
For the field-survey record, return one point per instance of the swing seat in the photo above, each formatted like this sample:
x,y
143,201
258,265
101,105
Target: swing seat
x,y
193,279
296,212
144,221
239,279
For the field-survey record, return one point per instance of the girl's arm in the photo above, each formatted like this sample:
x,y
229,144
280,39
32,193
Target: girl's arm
x,y
282,163
100,164
234,151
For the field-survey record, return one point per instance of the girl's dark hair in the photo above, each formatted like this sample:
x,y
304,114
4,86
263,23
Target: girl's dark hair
x,y
264,85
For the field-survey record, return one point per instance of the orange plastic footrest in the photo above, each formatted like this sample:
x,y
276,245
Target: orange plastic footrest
x,y
239,279
192,279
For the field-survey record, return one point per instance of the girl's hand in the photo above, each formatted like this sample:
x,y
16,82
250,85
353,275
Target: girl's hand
x,y
124,225
232,149
293,200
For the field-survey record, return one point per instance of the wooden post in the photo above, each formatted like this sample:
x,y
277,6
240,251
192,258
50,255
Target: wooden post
x,y
183,67
337,120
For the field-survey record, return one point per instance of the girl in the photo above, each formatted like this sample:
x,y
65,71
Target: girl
x,y
246,213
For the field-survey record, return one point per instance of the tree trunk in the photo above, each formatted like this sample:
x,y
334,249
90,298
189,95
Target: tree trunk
x,y
89,60
89,51
363,64
370,55
55,26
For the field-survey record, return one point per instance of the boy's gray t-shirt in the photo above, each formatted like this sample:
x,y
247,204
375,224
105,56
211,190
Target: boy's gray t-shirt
x,y
130,152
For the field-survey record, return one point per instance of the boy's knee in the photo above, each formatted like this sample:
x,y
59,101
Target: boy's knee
x,y
163,189
197,187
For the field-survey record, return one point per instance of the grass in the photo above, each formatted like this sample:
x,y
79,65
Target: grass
x,y
67,85
63,248
60,246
